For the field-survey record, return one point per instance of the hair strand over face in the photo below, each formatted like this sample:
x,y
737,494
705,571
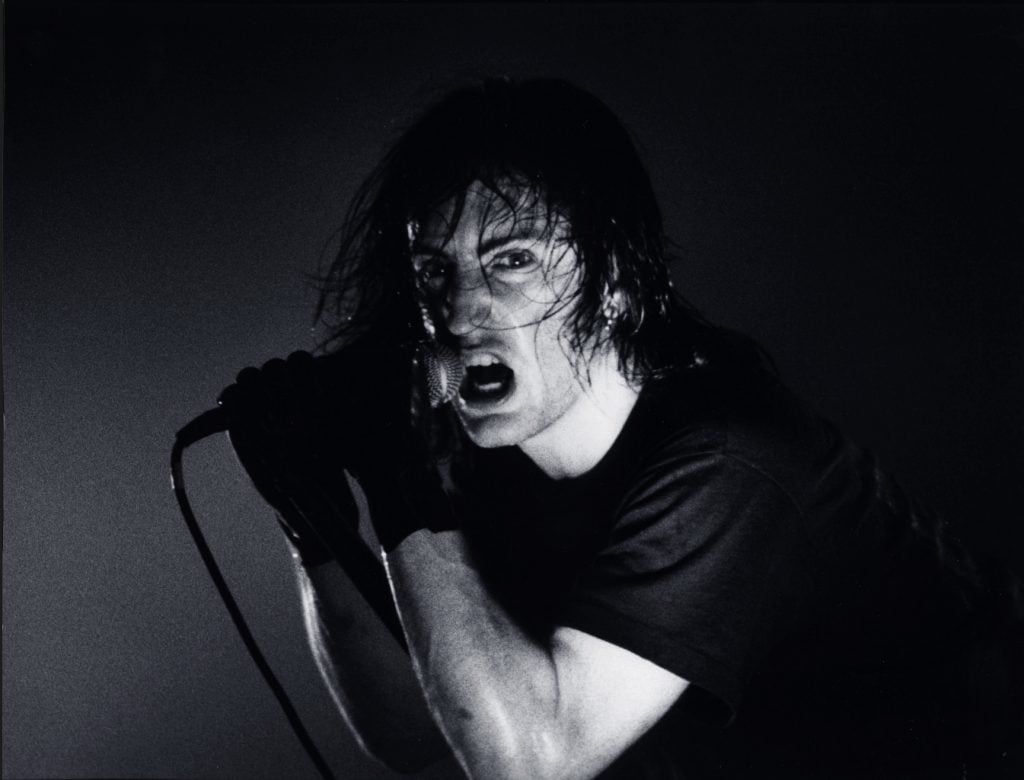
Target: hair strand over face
x,y
535,141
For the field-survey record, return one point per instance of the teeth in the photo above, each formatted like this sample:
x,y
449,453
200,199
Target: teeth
x,y
480,360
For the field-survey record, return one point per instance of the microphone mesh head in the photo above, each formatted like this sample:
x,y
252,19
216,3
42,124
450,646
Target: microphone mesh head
x,y
444,372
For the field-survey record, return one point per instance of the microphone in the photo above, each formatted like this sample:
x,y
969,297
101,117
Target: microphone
x,y
441,367
443,370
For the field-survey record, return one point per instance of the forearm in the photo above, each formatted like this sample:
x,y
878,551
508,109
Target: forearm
x,y
492,688
367,673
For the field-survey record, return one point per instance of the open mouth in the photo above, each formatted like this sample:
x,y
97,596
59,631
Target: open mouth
x,y
486,383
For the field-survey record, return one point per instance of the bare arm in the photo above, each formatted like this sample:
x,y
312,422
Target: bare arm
x,y
511,707
367,673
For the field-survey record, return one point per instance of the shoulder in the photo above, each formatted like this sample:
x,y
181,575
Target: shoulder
x,y
707,561
750,419
744,451
706,461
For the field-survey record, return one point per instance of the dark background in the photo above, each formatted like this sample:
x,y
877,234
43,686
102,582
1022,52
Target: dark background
x,y
843,183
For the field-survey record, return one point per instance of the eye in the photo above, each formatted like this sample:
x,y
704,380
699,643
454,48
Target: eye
x,y
514,260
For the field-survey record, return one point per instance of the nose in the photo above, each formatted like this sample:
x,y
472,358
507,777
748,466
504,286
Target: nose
x,y
468,303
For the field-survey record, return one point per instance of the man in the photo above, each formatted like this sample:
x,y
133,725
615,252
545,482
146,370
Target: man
x,y
621,547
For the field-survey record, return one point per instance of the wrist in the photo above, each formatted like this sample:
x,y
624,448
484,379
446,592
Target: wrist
x,y
406,500
308,550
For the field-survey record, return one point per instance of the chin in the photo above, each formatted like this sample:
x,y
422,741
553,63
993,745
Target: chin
x,y
490,432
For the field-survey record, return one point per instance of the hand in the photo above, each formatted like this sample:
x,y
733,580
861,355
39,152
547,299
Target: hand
x,y
390,457
286,422
299,424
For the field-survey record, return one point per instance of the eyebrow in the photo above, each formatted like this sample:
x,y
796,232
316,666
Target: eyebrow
x,y
496,242
526,233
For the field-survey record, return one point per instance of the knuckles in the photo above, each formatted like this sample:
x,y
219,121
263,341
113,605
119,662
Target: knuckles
x,y
281,398
305,411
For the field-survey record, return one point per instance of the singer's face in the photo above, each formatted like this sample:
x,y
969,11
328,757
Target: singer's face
x,y
502,281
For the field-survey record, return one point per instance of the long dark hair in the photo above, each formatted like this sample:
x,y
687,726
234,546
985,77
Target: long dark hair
x,y
567,150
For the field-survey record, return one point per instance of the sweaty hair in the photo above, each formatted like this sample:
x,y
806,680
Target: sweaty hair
x,y
554,144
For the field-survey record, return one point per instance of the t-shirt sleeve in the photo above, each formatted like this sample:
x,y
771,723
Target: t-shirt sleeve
x,y
706,565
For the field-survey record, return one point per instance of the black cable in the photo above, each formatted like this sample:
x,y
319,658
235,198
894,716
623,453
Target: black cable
x,y
354,557
178,484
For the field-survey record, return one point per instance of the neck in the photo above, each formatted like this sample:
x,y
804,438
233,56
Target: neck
x,y
576,442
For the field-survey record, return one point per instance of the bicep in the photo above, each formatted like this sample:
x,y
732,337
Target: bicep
x,y
706,569
608,697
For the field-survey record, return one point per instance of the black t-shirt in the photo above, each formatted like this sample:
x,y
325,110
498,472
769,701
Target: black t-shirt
x,y
738,540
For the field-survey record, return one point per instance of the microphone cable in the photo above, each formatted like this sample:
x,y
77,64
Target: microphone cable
x,y
443,372
204,425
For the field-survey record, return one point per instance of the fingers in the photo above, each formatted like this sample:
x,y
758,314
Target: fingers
x,y
299,367
300,363
286,429
276,372
247,391
267,390
304,412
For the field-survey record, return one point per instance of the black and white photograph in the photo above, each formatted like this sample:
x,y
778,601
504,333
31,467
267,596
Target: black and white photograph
x,y
513,391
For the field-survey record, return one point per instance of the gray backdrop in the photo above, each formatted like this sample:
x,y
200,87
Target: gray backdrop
x,y
842,183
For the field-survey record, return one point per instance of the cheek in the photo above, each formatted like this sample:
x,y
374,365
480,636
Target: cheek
x,y
542,294
523,307
555,358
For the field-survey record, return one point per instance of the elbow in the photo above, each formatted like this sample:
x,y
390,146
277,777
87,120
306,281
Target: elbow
x,y
510,768
494,743
536,755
